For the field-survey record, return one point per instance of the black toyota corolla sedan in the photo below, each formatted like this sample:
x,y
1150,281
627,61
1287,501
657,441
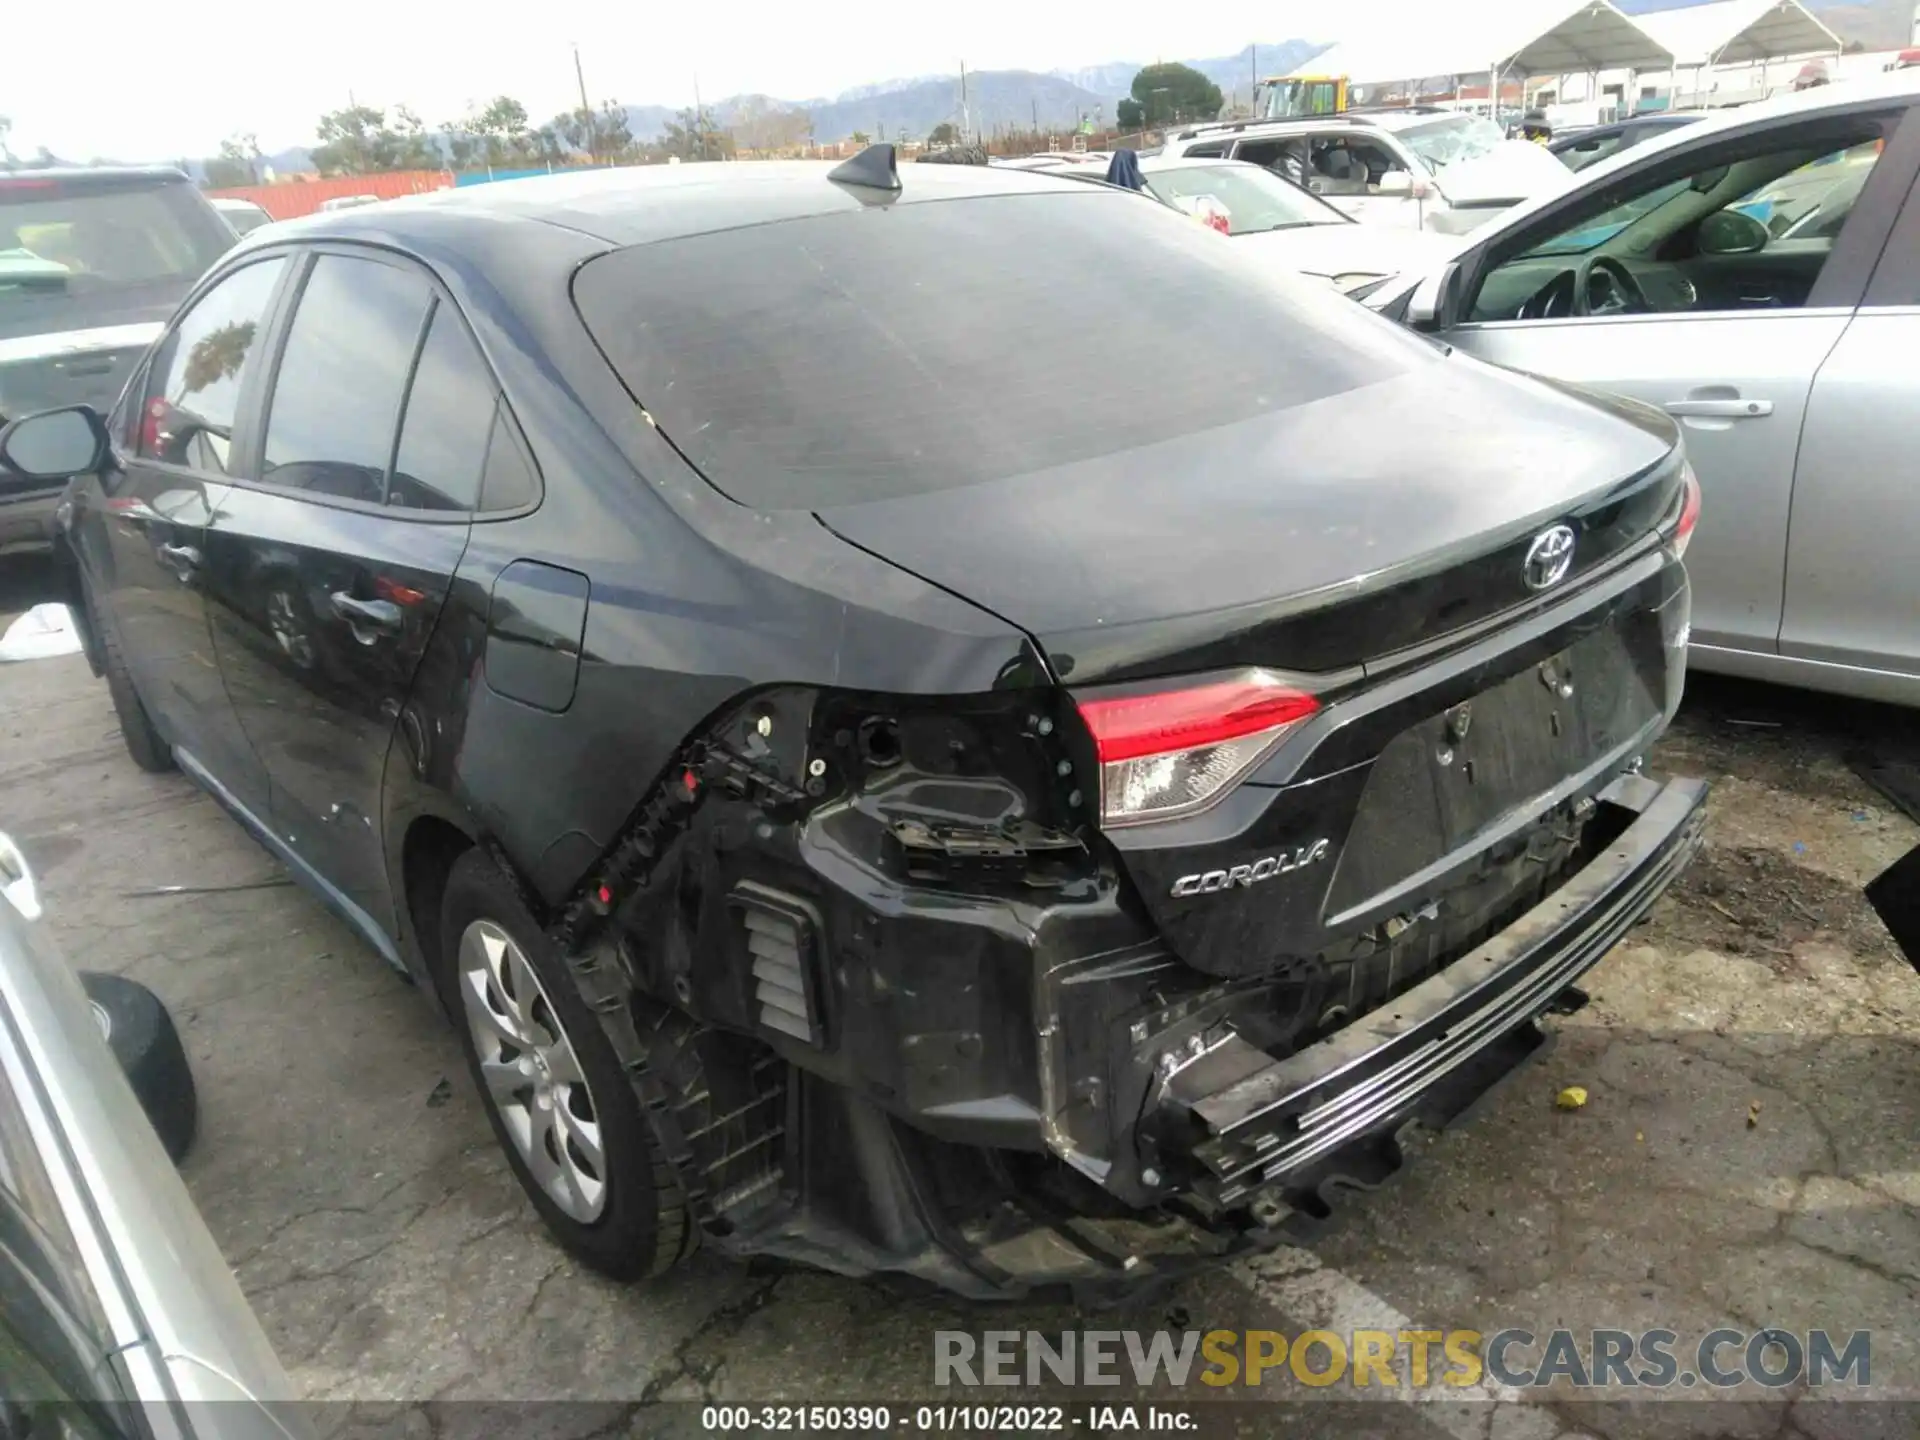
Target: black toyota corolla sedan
x,y
948,724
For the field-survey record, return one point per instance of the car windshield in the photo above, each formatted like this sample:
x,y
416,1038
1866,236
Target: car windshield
x,y
70,250
1440,143
1813,201
878,353
1593,233
1254,199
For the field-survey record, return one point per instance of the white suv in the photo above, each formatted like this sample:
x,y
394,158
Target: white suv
x,y
1419,167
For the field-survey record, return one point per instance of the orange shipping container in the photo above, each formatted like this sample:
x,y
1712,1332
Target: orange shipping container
x,y
294,198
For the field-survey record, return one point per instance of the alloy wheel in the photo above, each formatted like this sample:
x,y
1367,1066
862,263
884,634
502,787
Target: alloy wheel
x,y
532,1076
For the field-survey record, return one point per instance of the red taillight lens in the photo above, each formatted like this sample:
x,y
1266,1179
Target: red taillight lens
x,y
1689,511
1169,753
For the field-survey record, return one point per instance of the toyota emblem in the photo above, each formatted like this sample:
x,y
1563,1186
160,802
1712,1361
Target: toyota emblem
x,y
1549,558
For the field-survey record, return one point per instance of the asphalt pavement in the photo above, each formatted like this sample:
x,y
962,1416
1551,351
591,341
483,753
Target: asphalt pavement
x,y
1745,1158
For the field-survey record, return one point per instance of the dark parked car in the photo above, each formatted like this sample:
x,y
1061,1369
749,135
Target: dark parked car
x,y
853,805
92,262
1581,146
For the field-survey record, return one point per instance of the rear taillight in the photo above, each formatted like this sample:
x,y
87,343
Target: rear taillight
x,y
1689,510
1168,753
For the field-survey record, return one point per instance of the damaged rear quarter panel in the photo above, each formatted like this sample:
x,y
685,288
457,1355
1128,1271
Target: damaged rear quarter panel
x,y
694,602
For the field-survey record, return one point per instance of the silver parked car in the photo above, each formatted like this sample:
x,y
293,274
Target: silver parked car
x,y
118,1315
1756,275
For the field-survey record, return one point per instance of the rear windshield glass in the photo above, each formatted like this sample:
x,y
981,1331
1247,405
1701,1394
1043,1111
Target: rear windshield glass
x,y
68,248
904,349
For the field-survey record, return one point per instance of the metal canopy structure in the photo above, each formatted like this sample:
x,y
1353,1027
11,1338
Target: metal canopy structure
x,y
1593,36
1550,39
1732,32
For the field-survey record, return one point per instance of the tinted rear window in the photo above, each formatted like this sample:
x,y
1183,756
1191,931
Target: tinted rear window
x,y
899,350
71,247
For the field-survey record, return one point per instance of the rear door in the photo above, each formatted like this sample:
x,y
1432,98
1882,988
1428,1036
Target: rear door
x,y
1853,590
332,559
141,528
1727,344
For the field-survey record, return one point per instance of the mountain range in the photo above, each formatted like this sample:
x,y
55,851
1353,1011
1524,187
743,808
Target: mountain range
x,y
1055,100
912,107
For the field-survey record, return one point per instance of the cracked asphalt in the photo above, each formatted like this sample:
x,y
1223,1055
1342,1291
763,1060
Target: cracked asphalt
x,y
1747,1155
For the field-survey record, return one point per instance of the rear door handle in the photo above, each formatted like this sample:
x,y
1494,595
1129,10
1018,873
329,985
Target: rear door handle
x,y
183,557
381,615
1734,409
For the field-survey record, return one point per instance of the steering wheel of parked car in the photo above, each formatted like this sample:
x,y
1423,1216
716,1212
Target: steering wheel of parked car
x,y
1598,285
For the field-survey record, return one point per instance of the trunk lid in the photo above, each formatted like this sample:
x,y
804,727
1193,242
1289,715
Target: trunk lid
x,y
1316,538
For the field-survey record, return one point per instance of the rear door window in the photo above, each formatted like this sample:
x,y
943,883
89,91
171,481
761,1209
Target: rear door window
x,y
336,398
443,439
876,353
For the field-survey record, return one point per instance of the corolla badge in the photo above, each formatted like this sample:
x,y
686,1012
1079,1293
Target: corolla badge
x,y
1265,868
1549,558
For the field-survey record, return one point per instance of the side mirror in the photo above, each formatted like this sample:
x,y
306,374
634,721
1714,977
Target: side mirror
x,y
55,444
1395,182
1427,309
1732,232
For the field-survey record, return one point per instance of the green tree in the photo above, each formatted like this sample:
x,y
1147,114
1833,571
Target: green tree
x,y
465,150
238,163
1163,94
356,141
692,135
414,148
860,137
615,132
943,134
505,137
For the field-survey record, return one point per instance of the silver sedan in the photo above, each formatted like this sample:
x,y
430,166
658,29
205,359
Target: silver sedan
x,y
1756,275
117,1311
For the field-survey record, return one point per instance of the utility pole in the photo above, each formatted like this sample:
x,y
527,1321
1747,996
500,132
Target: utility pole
x,y
586,110
699,118
1253,74
966,119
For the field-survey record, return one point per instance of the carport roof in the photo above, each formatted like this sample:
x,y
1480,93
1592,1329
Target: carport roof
x,y
1548,38
1732,31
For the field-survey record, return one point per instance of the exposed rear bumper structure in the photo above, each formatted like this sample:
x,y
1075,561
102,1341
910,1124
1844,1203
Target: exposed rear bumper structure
x,y
1236,1148
1285,1124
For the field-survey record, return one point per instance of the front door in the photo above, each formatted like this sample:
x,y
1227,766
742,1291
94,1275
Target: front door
x,y
1672,289
142,532
332,560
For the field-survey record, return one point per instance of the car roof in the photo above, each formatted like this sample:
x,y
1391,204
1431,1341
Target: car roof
x,y
1151,163
1387,120
101,174
641,204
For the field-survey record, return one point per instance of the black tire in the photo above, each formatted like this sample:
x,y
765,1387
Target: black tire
x,y
143,1039
643,1227
144,743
